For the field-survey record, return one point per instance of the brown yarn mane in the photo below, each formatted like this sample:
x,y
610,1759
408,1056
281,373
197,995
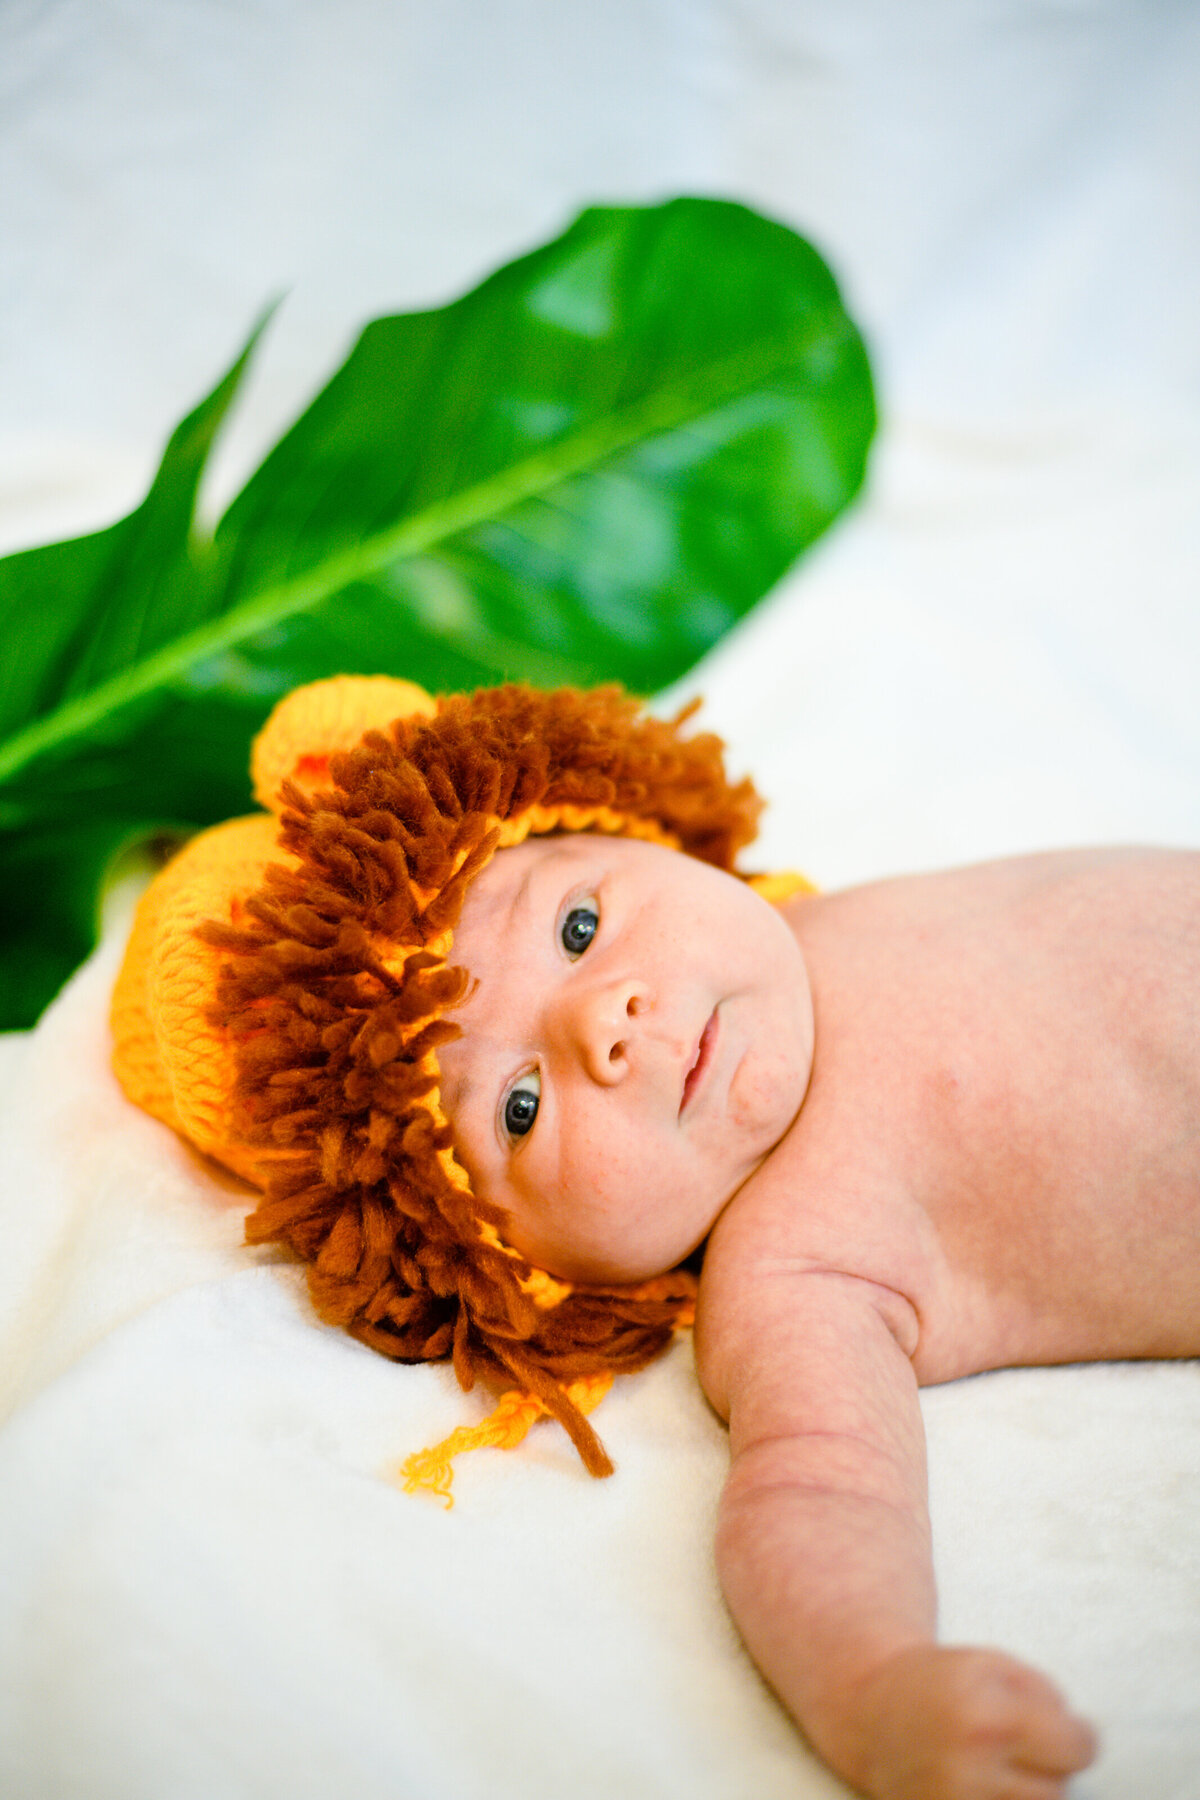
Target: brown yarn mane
x,y
335,1083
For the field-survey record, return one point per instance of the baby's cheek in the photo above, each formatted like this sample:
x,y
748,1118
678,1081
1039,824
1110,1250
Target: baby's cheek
x,y
602,1172
612,1181
765,1096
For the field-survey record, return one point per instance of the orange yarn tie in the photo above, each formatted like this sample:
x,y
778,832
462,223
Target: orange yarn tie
x,y
503,1429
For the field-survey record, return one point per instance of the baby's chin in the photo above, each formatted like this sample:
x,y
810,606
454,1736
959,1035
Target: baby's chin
x,y
765,1098
628,1256
628,1272
593,1268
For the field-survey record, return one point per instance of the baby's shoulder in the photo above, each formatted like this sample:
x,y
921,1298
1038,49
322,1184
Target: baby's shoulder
x,y
804,1233
1094,889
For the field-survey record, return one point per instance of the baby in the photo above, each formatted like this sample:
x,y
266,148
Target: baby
x,y
927,1127
922,1128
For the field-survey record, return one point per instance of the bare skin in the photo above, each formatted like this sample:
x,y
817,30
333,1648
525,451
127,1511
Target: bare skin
x,y
991,1157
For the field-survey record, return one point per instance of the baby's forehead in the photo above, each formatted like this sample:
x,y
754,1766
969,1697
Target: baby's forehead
x,y
512,866
499,888
494,889
497,898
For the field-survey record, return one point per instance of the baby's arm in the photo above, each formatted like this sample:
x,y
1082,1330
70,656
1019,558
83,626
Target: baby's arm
x,y
824,1554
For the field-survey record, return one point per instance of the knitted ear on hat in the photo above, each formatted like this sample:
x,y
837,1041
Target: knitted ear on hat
x,y
314,723
168,1054
334,985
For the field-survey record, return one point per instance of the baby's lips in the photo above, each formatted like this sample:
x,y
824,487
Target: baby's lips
x,y
701,1060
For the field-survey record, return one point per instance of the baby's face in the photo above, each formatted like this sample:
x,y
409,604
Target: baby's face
x,y
638,1040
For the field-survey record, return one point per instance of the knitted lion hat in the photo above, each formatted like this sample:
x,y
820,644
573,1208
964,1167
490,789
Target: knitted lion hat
x,y
282,1002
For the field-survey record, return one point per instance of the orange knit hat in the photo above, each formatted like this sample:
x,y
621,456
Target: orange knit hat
x,y
282,996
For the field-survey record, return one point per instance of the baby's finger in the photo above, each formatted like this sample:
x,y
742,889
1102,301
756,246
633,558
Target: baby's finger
x,y
1063,1748
1025,1729
1053,1742
1019,1786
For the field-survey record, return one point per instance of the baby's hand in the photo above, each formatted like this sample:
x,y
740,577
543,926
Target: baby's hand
x,y
950,1724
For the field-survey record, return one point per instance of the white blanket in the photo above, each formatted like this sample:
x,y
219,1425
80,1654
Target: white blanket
x,y
211,1588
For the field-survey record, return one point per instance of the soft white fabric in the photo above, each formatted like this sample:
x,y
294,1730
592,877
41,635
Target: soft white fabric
x,y
209,1585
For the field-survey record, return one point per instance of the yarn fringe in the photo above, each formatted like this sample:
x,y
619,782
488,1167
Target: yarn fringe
x,y
503,1429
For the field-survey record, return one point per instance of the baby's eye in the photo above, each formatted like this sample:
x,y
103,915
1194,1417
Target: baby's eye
x,y
521,1104
579,928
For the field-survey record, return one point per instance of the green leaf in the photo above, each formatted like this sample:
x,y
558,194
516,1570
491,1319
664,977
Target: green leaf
x,y
67,872
587,468
81,611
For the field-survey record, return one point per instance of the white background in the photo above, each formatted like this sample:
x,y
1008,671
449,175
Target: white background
x,y
205,1587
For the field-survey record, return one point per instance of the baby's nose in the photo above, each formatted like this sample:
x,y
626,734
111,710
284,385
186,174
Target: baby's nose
x,y
605,1021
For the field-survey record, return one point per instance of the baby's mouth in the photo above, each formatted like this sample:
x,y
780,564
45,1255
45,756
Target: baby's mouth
x,y
700,1062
